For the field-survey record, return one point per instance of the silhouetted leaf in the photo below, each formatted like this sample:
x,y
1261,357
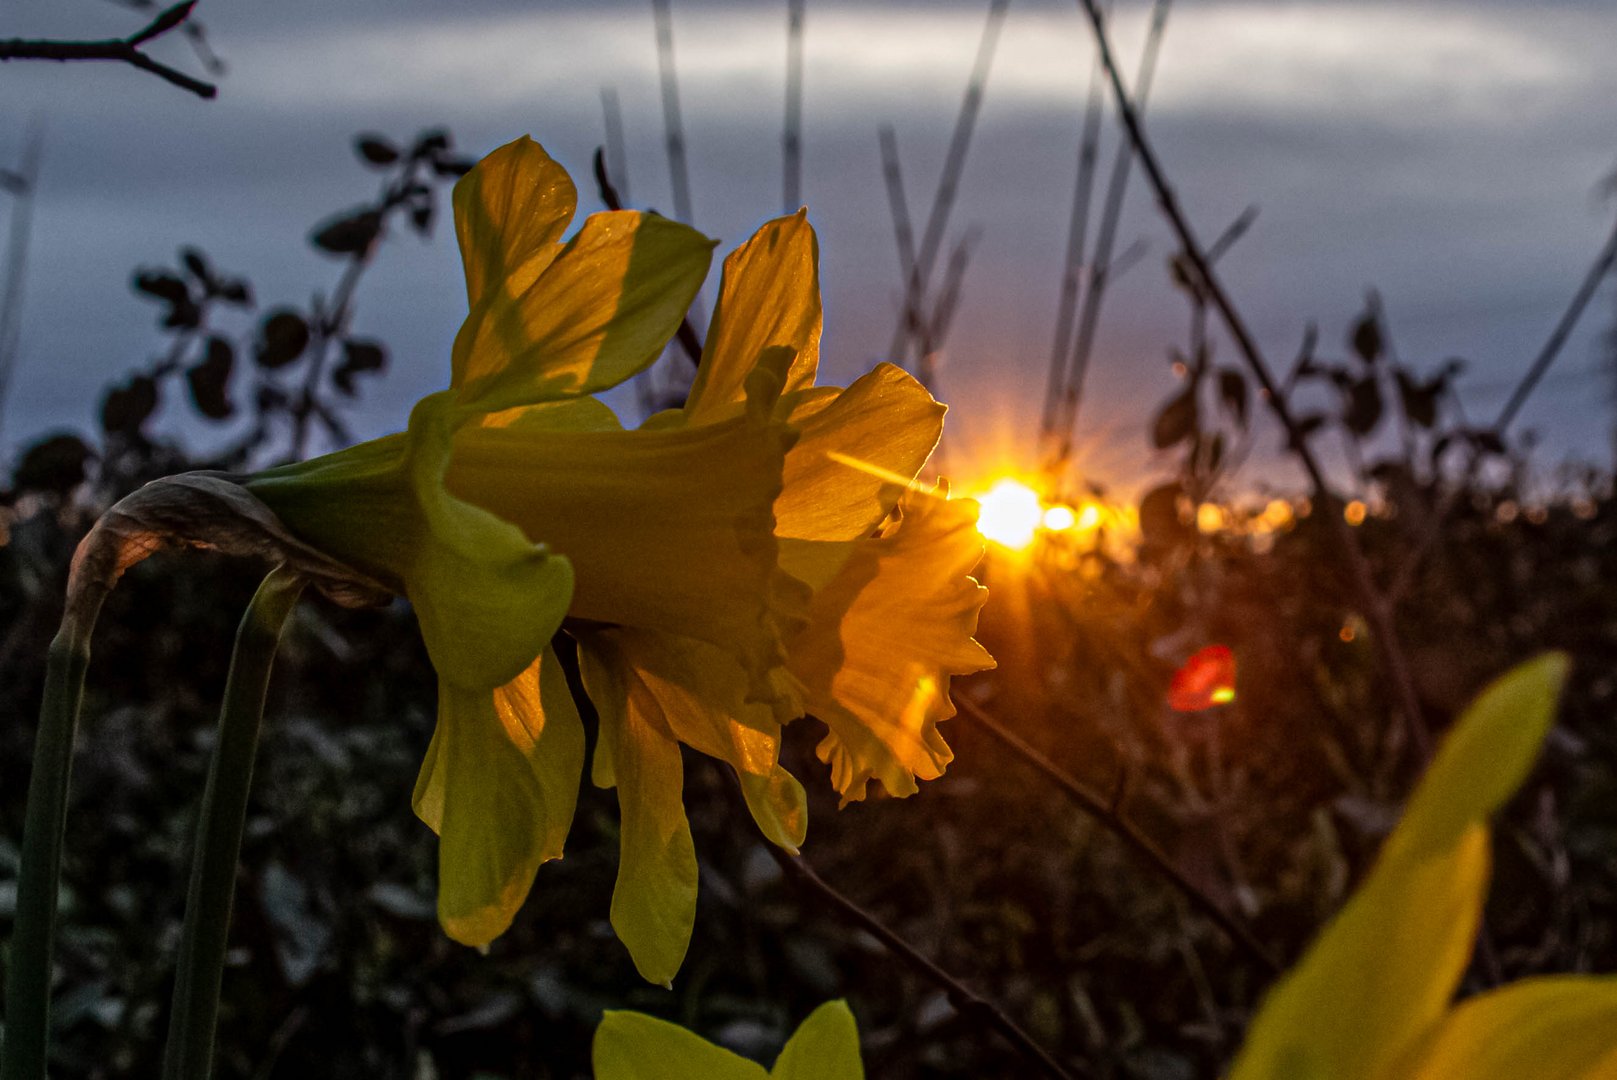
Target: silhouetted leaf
x,y
421,218
375,150
126,408
1160,525
447,166
358,356
1363,410
163,285
234,291
196,264
1177,420
1232,390
434,141
1305,427
1366,338
1419,401
54,464
209,380
350,233
282,337
268,399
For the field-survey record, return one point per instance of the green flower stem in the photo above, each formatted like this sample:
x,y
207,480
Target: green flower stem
x,y
33,939
189,1053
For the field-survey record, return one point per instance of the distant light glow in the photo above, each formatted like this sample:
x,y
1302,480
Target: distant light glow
x,y
1089,517
1354,512
1010,514
1060,518
1205,680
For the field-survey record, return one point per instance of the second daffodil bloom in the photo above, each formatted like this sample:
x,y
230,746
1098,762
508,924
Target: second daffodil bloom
x,y
725,568
1371,999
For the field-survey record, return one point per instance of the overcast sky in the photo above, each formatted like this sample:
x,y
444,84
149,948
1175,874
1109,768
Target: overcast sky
x,y
1448,155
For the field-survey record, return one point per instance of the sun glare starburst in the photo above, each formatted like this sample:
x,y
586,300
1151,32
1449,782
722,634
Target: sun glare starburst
x,y
1011,514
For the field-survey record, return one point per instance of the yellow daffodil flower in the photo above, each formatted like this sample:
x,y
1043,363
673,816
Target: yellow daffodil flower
x,y
724,568
1371,998
634,1046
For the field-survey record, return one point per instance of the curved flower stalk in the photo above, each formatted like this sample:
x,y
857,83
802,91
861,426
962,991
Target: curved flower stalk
x,y
725,568
1371,998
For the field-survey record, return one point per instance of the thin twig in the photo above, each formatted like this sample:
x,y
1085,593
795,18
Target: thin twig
x,y
22,217
792,135
686,334
125,50
1077,240
1106,812
1083,348
1603,263
1376,610
954,164
965,1001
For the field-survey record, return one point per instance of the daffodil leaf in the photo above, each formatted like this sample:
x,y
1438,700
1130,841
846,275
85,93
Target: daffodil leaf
x,y
884,636
855,455
1385,968
499,786
769,297
633,1046
654,898
824,1047
510,213
1553,1028
599,313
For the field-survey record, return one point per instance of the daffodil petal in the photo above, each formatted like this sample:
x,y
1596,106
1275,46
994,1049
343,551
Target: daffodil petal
x,y
824,1047
1384,969
769,297
499,787
510,213
668,530
570,414
1551,1028
487,599
654,899
699,694
633,1046
840,475
884,637
599,313
778,805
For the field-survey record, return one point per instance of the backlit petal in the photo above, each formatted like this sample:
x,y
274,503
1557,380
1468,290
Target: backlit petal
x,y
510,213
499,786
598,314
769,297
654,899
824,1047
1552,1028
884,637
840,475
633,1046
668,530
1383,971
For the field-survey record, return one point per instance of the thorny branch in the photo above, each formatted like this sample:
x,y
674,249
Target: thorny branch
x,y
126,50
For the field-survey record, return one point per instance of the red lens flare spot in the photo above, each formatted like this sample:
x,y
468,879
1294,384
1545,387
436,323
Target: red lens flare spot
x,y
1206,679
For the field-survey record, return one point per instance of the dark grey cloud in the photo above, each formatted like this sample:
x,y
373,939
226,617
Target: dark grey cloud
x,y
1442,153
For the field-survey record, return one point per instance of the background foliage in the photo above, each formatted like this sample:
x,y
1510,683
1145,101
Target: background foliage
x,y
1272,805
